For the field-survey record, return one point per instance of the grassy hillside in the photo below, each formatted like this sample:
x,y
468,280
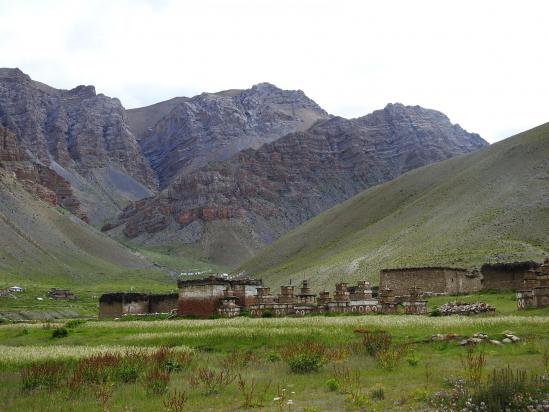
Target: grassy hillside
x,y
488,205
46,245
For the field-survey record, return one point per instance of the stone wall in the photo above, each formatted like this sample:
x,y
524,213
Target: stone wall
x,y
114,305
163,303
505,276
430,279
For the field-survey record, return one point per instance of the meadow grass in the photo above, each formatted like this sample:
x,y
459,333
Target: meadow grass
x,y
245,363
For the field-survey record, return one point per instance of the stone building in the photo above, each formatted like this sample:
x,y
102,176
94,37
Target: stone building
x,y
114,305
535,288
203,297
430,280
505,276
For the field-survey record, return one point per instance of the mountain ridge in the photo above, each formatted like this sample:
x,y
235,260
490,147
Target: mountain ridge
x,y
258,194
82,134
182,134
486,206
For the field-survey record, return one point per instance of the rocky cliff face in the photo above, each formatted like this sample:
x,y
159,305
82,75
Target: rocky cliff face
x,y
35,177
230,208
183,134
78,131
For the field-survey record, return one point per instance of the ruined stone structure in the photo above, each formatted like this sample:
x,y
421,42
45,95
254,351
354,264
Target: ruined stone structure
x,y
506,276
535,290
62,294
430,279
113,305
203,297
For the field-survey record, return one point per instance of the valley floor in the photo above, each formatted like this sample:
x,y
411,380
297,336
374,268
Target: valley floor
x,y
375,362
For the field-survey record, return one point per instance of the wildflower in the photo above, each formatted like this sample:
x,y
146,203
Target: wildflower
x,y
277,398
290,402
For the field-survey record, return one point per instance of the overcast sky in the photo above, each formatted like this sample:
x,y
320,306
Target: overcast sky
x,y
483,63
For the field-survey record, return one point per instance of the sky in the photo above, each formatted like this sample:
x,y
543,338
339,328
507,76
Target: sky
x,y
485,64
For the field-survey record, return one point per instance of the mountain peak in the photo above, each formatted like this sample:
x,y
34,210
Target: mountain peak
x,y
83,91
15,73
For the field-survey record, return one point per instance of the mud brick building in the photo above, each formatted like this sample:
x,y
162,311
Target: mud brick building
x,y
430,279
506,276
203,297
114,305
535,290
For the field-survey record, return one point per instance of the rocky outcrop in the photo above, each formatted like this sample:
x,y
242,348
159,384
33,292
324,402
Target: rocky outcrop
x,y
183,134
35,177
76,130
267,191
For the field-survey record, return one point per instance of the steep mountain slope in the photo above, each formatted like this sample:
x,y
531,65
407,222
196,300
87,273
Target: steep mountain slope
x,y
230,209
488,205
35,177
83,136
47,245
183,134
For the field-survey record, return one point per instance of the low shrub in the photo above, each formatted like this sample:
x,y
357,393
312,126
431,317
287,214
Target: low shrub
x,y
237,360
375,341
23,332
305,357
412,360
252,398
72,324
504,390
377,392
332,385
59,333
347,381
156,381
305,363
273,357
212,380
127,372
175,401
390,357
49,374
473,365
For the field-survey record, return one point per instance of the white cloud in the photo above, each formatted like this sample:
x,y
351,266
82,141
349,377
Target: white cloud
x,y
483,63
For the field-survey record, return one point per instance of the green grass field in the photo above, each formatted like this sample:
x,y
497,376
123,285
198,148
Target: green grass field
x,y
241,353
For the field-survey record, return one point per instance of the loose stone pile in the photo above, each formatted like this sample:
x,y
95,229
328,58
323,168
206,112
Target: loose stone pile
x,y
505,338
461,308
479,337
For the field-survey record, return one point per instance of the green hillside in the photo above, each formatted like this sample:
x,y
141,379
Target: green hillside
x,y
491,204
45,245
